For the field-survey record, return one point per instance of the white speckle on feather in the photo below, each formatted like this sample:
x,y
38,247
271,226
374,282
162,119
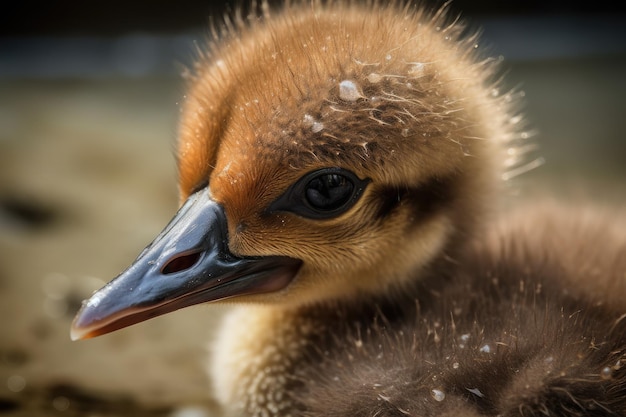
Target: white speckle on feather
x,y
476,392
438,395
349,91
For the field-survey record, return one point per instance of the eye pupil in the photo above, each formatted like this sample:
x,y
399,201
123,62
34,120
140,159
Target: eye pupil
x,y
329,191
321,194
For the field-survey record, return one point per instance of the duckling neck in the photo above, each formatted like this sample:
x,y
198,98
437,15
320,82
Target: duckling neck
x,y
260,349
255,357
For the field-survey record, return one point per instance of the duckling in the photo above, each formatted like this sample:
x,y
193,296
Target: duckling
x,y
339,166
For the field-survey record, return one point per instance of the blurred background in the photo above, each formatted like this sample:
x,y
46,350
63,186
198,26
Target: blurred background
x,y
89,97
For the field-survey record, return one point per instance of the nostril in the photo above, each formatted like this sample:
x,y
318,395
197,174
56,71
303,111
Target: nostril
x,y
181,262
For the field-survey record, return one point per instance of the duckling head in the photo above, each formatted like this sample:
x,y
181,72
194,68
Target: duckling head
x,y
325,152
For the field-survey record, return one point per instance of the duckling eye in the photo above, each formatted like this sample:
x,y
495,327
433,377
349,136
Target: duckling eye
x,y
321,194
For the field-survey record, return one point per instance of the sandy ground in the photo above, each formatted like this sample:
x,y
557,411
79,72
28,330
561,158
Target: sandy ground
x,y
87,179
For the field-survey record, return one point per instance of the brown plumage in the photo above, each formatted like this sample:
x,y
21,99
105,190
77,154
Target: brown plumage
x,y
505,331
340,166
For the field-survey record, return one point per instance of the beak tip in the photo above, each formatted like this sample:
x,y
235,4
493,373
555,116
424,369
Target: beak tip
x,y
77,334
81,328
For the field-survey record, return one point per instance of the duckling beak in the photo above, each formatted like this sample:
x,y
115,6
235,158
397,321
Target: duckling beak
x,y
188,263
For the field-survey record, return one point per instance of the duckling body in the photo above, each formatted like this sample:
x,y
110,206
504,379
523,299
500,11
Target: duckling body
x,y
338,166
516,328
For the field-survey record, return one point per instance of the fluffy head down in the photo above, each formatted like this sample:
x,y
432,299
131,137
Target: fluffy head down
x,y
395,95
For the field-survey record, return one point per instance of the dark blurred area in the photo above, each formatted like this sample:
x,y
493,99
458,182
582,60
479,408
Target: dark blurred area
x,y
141,37
77,39
111,18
